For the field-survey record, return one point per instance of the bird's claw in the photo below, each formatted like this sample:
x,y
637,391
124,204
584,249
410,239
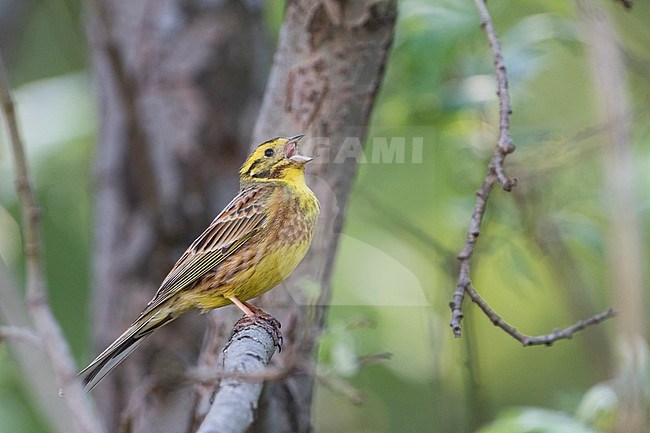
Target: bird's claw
x,y
264,320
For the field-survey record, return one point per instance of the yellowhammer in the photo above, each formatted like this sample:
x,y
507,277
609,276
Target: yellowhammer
x,y
250,247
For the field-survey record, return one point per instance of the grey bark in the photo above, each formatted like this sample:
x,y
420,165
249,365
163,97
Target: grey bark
x,y
178,84
326,72
235,404
176,80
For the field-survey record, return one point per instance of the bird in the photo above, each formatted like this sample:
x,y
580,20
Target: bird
x,y
251,246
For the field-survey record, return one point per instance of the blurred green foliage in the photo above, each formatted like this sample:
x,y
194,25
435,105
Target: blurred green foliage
x,y
406,221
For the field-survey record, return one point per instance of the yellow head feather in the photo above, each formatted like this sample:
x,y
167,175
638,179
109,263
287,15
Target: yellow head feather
x,y
276,160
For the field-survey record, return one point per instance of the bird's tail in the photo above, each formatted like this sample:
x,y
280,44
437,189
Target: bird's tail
x,y
121,348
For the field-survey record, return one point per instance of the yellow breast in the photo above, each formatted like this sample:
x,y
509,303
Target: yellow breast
x,y
287,238
267,258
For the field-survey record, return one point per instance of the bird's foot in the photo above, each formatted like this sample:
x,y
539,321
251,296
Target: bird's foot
x,y
264,320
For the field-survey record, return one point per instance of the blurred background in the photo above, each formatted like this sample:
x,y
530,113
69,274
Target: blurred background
x,y
542,262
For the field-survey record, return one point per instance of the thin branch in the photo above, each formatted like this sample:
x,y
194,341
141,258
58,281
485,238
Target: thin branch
x,y
334,382
207,376
55,345
136,403
548,339
245,361
464,281
374,358
35,366
505,145
340,386
343,387
248,352
211,377
496,174
20,334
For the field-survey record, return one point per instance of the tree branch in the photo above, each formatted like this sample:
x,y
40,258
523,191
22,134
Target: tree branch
x,y
55,345
35,366
20,334
548,339
205,376
496,174
315,89
248,353
177,106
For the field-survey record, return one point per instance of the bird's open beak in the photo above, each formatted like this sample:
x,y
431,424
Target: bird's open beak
x,y
291,153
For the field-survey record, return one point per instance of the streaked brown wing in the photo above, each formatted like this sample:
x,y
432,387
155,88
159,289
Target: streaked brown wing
x,y
237,223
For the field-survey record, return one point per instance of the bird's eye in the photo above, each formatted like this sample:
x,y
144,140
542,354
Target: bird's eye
x,y
268,152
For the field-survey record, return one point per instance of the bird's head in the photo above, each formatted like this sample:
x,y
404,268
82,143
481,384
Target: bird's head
x,y
275,160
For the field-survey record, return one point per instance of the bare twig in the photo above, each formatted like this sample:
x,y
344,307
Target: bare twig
x,y
505,144
207,376
340,386
210,377
374,358
20,334
330,380
496,175
55,345
548,339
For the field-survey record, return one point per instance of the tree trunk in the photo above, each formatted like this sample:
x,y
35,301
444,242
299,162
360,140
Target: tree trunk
x,y
179,83
326,71
176,80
